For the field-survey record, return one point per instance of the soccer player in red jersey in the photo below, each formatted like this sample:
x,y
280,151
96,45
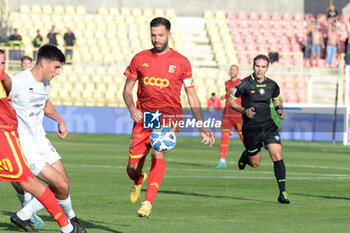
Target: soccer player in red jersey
x,y
14,166
230,118
160,73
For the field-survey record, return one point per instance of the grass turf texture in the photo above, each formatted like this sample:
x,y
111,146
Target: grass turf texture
x,y
197,197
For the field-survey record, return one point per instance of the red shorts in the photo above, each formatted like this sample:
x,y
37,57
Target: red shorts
x,y
229,121
139,143
13,164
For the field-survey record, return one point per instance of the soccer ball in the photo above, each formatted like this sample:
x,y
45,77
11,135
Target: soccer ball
x,y
163,139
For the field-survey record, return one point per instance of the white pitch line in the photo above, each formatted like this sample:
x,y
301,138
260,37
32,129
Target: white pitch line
x,y
318,175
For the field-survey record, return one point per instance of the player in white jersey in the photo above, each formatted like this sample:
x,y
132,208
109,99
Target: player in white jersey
x,y
30,93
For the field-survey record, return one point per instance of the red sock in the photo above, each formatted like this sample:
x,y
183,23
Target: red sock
x,y
156,175
49,201
224,145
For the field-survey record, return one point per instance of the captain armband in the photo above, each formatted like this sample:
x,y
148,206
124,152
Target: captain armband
x,y
188,82
279,107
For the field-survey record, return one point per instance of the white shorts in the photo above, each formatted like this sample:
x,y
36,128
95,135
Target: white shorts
x,y
38,153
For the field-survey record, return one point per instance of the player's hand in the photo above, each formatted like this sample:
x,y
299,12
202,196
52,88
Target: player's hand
x,y
250,112
207,136
281,114
136,115
10,99
62,131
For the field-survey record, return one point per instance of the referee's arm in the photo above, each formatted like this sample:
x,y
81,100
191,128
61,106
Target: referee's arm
x,y
277,102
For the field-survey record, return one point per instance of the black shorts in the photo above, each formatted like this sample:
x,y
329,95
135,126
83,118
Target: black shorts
x,y
255,135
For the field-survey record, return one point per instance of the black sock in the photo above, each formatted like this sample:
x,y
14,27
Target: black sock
x,y
245,157
280,174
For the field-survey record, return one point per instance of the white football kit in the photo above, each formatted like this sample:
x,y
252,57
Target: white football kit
x,y
29,99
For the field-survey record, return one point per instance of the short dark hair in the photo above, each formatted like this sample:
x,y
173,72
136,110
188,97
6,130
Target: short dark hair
x,y
161,21
2,51
26,58
51,52
262,56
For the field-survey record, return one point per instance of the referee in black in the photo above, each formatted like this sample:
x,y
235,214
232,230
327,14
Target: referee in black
x,y
258,128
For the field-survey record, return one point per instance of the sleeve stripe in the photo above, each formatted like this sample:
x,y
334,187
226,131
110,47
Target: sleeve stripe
x,y
234,97
276,97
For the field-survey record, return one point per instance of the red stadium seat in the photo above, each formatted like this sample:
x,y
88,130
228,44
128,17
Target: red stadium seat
x,y
260,39
299,17
253,15
239,47
242,15
231,15
321,18
276,16
265,16
251,47
287,17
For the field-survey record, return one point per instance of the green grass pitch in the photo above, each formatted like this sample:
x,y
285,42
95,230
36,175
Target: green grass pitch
x,y
197,197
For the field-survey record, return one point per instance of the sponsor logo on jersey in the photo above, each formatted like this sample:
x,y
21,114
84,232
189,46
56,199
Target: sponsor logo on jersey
x,y
277,138
159,82
171,68
145,65
252,91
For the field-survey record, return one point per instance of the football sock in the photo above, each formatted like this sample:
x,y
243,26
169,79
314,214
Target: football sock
x,y
24,199
49,201
34,206
245,158
156,175
224,145
67,207
280,174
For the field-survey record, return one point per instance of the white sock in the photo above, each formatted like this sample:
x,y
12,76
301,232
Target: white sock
x,y
34,205
222,160
67,207
67,229
24,199
24,213
148,203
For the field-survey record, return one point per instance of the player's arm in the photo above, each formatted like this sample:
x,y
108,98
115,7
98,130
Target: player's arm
x,y
249,112
135,114
277,102
50,111
7,83
196,109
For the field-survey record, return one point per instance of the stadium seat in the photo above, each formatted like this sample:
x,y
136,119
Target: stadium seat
x,y
36,9
69,10
80,10
47,9
276,16
113,11
25,9
170,13
58,9
299,17
287,17
158,12
231,16
208,14
242,15
220,15
265,16
103,11
253,16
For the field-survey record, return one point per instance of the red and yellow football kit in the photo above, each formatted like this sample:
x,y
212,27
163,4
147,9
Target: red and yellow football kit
x,y
13,165
160,79
230,118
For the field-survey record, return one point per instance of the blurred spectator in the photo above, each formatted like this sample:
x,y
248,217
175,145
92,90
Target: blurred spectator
x,y
69,42
26,62
308,46
333,43
51,36
214,103
347,45
2,41
317,42
332,13
15,42
2,59
37,42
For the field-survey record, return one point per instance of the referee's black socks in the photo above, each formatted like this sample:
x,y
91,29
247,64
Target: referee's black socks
x,y
280,174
